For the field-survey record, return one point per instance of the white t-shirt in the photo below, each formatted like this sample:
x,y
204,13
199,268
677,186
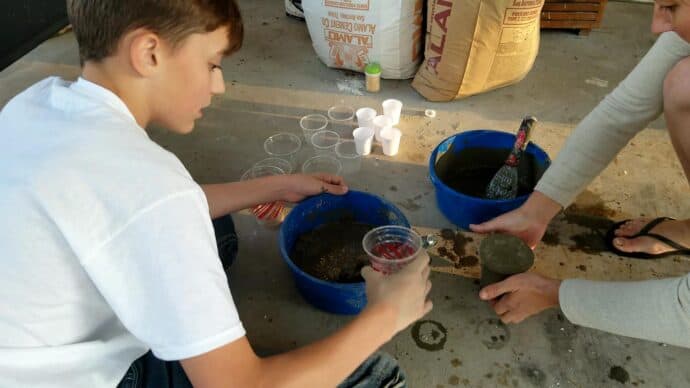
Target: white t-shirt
x,y
106,245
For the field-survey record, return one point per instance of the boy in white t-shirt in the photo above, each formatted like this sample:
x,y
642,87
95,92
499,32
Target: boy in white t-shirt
x,y
109,255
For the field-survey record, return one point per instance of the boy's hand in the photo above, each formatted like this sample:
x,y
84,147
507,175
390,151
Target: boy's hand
x,y
296,187
528,222
405,291
521,296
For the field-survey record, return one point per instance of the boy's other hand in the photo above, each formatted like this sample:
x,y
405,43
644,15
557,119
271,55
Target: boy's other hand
x,y
405,292
299,186
521,296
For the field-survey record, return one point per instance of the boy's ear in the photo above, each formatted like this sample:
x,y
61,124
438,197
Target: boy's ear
x,y
145,51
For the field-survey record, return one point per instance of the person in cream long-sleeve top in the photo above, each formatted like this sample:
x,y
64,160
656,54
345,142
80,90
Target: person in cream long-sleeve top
x,y
657,310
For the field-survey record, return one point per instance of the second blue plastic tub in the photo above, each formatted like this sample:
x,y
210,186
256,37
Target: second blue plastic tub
x,y
462,209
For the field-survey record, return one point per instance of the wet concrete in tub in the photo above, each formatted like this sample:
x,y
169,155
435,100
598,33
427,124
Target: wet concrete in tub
x,y
469,171
333,251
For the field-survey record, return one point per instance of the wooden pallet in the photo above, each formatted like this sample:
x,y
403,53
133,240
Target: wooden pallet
x,y
581,15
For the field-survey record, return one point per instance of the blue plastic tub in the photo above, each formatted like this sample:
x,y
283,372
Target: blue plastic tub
x,y
461,209
339,298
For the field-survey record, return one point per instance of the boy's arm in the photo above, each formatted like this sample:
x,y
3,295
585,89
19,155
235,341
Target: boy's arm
x,y
225,198
395,301
323,363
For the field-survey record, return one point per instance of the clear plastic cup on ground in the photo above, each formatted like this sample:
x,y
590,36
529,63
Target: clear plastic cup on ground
x,y
365,117
324,142
350,160
392,108
269,214
276,162
322,163
364,137
390,141
311,124
391,247
381,122
342,119
285,146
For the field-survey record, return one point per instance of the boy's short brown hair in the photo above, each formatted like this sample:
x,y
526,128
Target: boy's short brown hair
x,y
100,24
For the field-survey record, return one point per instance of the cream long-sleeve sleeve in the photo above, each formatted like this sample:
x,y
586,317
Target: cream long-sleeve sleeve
x,y
655,310
623,113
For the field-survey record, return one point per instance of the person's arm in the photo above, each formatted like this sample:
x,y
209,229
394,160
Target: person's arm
x,y
225,198
635,102
594,142
655,310
395,301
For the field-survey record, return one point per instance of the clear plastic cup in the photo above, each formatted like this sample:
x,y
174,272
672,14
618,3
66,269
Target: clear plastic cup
x,y
285,146
350,160
324,142
364,137
270,214
322,163
390,141
311,124
342,119
381,122
276,162
365,117
391,247
392,108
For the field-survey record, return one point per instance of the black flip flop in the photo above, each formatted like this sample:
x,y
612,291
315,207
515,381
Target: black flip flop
x,y
679,249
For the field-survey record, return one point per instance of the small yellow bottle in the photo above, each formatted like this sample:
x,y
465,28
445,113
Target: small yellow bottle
x,y
373,77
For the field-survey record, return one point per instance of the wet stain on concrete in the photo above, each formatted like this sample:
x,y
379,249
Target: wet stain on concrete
x,y
454,380
429,335
590,203
494,333
592,240
618,373
535,376
410,205
393,188
587,221
560,334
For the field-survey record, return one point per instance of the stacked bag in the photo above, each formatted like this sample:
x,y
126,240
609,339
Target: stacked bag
x,y
471,46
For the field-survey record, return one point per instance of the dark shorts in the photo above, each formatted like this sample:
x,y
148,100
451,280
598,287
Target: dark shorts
x,y
379,370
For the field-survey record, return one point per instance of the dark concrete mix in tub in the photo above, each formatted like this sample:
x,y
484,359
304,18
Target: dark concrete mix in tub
x,y
333,251
469,171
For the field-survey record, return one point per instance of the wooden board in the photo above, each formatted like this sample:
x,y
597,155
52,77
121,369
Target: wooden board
x,y
573,247
582,15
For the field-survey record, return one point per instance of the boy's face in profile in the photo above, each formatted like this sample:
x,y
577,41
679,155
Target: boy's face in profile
x,y
188,77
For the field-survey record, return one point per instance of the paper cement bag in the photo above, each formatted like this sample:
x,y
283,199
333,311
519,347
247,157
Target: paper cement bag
x,y
348,34
473,46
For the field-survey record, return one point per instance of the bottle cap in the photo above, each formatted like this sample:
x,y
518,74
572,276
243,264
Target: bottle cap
x,y
373,68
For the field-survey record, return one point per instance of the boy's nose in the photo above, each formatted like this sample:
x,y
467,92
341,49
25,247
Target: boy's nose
x,y
218,83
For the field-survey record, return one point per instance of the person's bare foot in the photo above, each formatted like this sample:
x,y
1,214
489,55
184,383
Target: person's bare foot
x,y
675,230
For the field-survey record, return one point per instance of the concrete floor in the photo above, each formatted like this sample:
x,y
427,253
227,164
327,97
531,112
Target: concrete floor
x,y
276,78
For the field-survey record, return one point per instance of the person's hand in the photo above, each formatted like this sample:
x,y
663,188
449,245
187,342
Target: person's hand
x,y
296,187
405,291
521,296
528,222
